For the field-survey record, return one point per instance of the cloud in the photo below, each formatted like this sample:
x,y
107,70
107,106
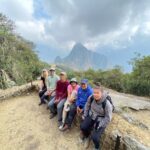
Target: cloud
x,y
59,24
17,9
89,21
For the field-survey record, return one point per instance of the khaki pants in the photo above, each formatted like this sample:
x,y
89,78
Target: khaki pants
x,y
67,104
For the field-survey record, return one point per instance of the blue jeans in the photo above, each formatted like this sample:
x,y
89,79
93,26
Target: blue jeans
x,y
57,109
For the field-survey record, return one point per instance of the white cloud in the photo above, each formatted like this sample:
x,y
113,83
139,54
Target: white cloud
x,y
17,9
94,24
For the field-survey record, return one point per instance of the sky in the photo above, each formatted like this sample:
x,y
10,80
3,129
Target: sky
x,y
116,28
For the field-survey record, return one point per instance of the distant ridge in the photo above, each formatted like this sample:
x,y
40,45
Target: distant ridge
x,y
80,58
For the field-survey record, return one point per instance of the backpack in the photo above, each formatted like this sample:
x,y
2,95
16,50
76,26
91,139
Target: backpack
x,y
104,102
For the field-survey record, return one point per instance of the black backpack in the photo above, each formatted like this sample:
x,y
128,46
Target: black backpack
x,y
104,102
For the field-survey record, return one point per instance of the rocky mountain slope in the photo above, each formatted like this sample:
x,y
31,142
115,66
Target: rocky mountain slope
x,y
80,58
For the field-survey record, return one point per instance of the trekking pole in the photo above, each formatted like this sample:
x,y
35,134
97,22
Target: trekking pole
x,y
117,145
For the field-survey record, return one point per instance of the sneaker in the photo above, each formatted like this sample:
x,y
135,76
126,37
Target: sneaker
x,y
86,143
67,108
52,115
61,126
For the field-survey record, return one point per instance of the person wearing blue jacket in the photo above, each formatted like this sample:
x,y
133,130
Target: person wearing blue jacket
x,y
83,93
78,107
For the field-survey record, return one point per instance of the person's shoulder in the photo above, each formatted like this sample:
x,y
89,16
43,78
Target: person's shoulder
x,y
79,89
59,81
67,82
69,86
89,88
56,77
78,86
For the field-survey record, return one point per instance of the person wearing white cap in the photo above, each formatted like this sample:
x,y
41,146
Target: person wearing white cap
x,y
52,80
72,95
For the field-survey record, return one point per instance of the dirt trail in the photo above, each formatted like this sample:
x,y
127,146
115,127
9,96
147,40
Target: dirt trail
x,y
26,126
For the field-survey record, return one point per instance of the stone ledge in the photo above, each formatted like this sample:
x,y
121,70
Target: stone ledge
x,y
18,90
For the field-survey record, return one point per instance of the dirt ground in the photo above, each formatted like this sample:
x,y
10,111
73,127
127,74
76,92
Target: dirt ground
x,y
26,126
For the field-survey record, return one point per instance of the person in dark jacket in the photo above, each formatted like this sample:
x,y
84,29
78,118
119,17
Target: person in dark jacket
x,y
57,103
96,117
43,86
78,107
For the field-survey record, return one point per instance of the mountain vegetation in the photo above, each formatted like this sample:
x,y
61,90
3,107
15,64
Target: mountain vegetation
x,y
17,56
137,82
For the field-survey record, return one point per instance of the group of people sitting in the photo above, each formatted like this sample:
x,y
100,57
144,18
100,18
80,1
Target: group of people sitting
x,y
66,99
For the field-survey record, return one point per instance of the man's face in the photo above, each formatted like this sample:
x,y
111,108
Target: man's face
x,y
83,85
97,94
52,72
62,77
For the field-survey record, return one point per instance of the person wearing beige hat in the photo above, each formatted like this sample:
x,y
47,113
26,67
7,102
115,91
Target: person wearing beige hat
x,y
51,82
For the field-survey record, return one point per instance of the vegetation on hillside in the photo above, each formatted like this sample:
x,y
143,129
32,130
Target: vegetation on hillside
x,y
17,57
22,65
137,82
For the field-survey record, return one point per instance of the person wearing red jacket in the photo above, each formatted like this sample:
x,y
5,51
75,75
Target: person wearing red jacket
x,y
57,103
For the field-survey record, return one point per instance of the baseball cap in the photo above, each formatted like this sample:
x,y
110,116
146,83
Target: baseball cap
x,y
84,81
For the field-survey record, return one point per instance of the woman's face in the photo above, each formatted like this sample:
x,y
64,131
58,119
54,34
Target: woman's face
x,y
44,73
73,84
97,94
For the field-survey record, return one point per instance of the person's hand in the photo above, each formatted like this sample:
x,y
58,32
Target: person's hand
x,y
83,117
40,90
79,111
56,101
71,100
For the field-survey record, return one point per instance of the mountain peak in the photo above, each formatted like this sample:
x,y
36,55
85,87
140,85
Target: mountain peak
x,y
81,58
79,47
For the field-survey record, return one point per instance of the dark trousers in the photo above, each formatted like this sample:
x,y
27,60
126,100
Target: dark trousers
x,y
71,114
41,93
87,126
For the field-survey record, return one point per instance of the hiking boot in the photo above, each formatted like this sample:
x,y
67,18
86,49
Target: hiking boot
x,y
40,103
47,108
52,115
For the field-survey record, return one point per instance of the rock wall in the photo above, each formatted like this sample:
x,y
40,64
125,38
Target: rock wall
x,y
18,90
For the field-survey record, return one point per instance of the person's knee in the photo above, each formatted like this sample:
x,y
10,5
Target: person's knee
x,y
83,126
50,104
60,107
72,108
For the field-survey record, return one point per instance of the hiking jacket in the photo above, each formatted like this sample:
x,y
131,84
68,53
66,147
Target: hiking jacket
x,y
82,96
96,110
